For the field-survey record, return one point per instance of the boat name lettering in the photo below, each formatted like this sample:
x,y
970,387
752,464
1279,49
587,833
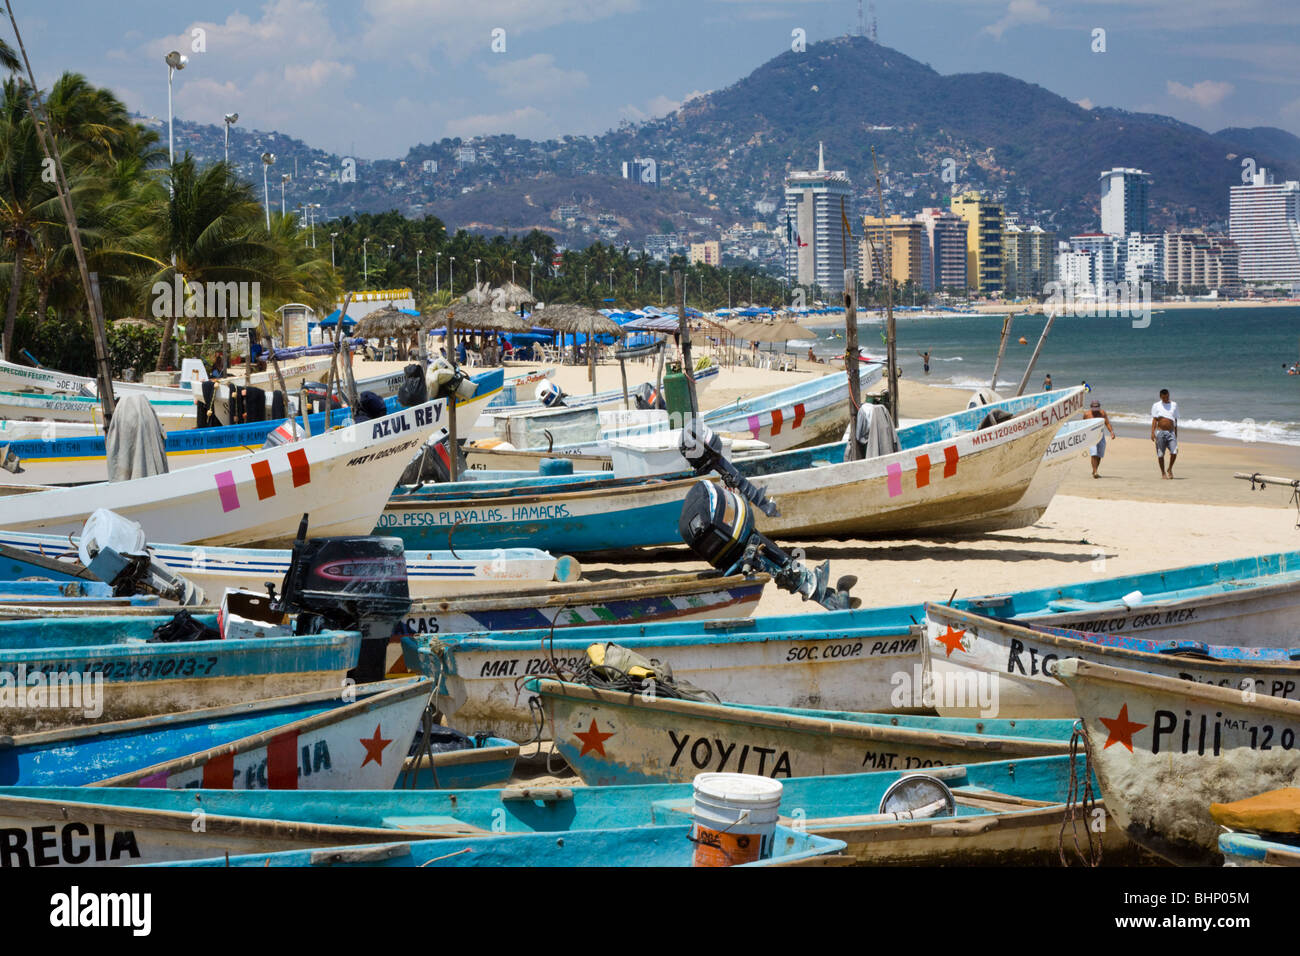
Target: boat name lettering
x,y
1276,688
704,752
1037,664
313,757
890,761
124,670
1136,622
377,455
1200,732
75,843
818,652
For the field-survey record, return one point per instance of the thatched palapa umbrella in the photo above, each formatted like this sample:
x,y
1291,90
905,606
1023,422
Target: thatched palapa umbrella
x,y
578,320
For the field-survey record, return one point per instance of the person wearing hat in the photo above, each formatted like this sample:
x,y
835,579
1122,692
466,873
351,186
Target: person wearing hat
x,y
1098,451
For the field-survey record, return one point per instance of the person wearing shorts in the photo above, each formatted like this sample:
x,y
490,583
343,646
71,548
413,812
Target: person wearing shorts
x,y
1098,451
1164,432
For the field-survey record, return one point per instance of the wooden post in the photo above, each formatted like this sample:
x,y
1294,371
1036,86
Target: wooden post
x,y
452,461
887,267
304,408
1002,348
107,401
684,330
591,358
622,367
851,363
1033,359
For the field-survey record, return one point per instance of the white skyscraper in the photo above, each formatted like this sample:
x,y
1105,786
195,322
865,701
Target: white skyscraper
x,y
815,253
1264,222
1123,201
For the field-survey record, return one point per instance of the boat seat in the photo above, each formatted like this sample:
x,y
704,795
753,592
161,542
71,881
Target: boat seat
x,y
440,824
1276,811
671,811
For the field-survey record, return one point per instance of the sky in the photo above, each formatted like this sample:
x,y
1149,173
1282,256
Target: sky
x,y
371,78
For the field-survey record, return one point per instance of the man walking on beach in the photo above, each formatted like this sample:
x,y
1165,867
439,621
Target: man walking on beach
x,y
1098,451
1164,432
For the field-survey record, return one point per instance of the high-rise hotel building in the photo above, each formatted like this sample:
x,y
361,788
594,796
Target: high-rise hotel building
x,y
984,222
815,252
1264,222
1123,201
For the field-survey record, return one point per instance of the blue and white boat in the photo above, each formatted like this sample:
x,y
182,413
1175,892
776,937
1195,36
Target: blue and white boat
x,y
1014,662
951,476
851,660
1002,812
94,669
63,454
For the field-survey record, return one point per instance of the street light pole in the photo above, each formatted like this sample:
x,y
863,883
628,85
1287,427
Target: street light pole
x,y
231,119
365,261
476,262
333,236
418,253
437,274
451,275
268,160
284,178
175,61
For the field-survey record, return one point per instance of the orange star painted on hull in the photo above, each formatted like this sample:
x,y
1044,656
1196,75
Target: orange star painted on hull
x,y
593,739
951,640
375,748
1120,729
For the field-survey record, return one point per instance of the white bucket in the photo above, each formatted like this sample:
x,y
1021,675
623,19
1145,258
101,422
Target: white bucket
x,y
735,818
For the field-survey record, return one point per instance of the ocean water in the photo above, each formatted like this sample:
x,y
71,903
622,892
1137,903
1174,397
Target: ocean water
x,y
1224,367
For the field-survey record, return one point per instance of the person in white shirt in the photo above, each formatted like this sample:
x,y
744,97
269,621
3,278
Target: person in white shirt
x,y
1164,432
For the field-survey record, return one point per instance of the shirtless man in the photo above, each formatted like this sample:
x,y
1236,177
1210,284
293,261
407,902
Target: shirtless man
x,y
1098,451
1164,432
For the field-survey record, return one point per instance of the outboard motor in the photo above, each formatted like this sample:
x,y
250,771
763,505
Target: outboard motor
x,y
347,583
646,396
316,397
114,549
550,394
702,450
718,525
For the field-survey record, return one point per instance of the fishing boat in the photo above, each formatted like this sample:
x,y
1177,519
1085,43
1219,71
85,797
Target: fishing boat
x,y
22,378
843,660
1013,662
430,574
1071,439
615,737
342,478
95,669
949,476
63,457
1003,812
1165,749
791,417
639,600
172,412
634,847
91,755
1250,849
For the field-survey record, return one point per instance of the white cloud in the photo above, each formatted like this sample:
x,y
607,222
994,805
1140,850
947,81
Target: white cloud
x,y
1019,12
1206,93
534,76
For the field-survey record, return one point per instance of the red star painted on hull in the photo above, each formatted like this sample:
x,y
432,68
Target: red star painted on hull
x,y
951,640
375,748
593,739
1120,730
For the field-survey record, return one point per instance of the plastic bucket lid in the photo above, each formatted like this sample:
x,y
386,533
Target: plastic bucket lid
x,y
739,789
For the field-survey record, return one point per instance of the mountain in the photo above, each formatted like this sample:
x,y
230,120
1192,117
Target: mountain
x,y
723,152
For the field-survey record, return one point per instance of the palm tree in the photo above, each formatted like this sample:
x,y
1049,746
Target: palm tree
x,y
214,232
